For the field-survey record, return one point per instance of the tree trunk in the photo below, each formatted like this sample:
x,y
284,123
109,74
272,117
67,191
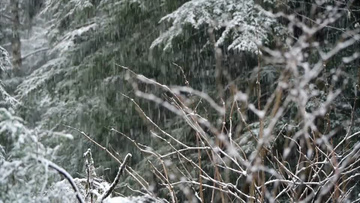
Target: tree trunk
x,y
15,40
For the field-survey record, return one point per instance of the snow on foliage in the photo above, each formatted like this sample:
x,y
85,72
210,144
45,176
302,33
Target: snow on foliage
x,y
5,66
139,199
63,10
240,21
68,195
67,43
5,63
18,168
63,187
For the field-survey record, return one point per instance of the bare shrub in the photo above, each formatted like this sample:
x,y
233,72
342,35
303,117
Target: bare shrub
x,y
297,148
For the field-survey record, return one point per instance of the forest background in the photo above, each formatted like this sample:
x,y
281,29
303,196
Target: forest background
x,y
216,100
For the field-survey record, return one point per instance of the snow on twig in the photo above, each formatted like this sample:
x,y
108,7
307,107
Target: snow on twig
x,y
66,175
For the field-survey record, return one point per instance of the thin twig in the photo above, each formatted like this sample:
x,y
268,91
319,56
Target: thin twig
x,y
66,175
116,180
